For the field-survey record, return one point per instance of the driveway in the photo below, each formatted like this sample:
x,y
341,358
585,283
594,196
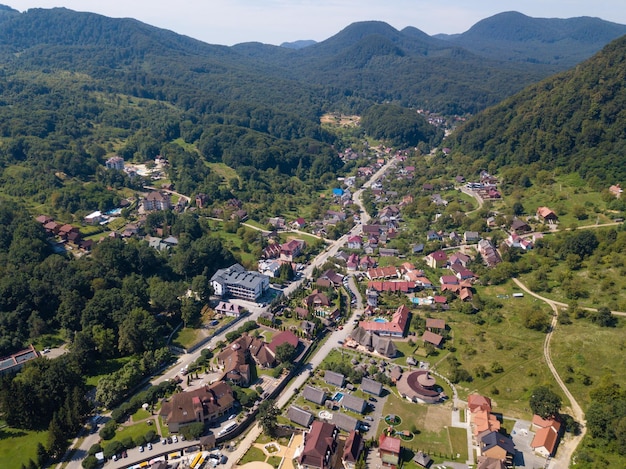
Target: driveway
x,y
522,437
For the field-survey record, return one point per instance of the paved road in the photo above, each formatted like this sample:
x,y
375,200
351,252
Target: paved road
x,y
255,310
474,194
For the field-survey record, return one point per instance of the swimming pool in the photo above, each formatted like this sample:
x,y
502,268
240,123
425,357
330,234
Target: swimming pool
x,y
338,396
380,320
115,211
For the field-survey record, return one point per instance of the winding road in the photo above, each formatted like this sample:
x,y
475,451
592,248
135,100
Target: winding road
x,y
567,447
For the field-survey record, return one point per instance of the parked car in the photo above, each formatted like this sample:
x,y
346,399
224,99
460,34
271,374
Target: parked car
x,y
141,449
368,418
163,441
149,446
169,439
373,399
175,439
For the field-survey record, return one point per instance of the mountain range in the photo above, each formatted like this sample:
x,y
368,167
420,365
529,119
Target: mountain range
x,y
364,63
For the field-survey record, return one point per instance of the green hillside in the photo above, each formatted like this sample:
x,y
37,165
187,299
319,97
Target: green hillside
x,y
572,122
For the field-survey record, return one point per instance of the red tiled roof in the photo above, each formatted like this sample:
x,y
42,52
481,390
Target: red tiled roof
x,y
389,444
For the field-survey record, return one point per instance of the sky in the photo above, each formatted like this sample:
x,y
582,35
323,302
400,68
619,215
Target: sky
x,y
229,22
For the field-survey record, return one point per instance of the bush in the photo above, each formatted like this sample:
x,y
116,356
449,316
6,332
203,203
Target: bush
x,y
193,431
150,436
114,447
94,449
90,462
140,440
108,431
128,442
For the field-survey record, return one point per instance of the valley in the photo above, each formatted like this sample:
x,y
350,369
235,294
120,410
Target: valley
x,y
411,244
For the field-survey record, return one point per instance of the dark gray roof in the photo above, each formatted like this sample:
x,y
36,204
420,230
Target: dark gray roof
x,y
493,439
344,422
384,346
313,394
422,459
371,386
299,416
353,403
336,379
236,274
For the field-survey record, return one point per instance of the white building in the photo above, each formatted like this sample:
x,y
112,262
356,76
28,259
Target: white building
x,y
238,282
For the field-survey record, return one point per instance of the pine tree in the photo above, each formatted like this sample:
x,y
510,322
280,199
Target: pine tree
x,y
57,442
42,455
32,464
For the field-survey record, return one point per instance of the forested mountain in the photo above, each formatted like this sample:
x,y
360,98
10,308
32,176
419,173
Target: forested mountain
x,y
574,122
513,36
365,63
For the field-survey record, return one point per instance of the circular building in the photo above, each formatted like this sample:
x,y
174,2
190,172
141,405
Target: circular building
x,y
419,386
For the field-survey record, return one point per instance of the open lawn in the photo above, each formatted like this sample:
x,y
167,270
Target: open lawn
x,y
18,446
186,337
133,431
253,454
429,423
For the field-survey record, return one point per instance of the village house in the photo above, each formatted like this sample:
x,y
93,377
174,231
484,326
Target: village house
x,y
389,449
319,447
437,259
616,190
229,309
432,338
547,435
496,445
355,242
352,450
311,394
299,416
353,403
277,222
520,226
115,162
336,379
291,249
371,386
344,422
205,405
546,215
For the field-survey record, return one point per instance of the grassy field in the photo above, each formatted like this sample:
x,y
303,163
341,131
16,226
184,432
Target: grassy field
x,y
186,337
601,280
583,353
18,446
253,454
433,435
226,172
502,339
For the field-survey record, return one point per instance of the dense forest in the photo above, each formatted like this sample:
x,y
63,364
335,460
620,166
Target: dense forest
x,y
572,122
